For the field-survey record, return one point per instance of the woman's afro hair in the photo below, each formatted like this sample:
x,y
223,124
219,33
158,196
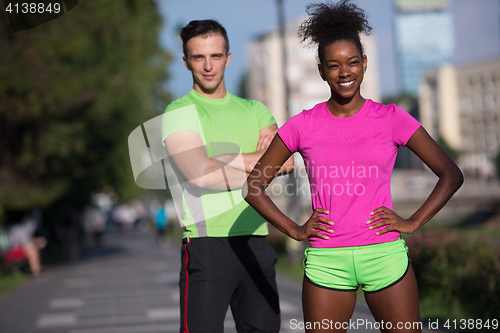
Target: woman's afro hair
x,y
330,22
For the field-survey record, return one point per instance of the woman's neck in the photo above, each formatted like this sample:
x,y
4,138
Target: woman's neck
x,y
343,108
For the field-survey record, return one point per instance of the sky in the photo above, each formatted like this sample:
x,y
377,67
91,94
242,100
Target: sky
x,y
476,26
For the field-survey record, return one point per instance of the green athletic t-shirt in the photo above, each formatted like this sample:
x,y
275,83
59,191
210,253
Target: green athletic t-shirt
x,y
227,125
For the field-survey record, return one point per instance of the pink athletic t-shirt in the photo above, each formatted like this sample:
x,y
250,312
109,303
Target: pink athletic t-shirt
x,y
349,162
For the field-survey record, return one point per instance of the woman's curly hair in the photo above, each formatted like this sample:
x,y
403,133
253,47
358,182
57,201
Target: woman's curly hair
x,y
328,23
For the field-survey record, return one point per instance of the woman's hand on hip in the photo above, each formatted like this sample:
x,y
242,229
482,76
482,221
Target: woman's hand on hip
x,y
391,221
313,226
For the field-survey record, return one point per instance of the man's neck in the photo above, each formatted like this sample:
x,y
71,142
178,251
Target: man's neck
x,y
218,93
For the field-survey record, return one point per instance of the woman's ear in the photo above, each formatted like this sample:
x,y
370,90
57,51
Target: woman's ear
x,y
320,69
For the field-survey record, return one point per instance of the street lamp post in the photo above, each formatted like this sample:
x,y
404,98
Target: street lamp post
x,y
293,199
281,23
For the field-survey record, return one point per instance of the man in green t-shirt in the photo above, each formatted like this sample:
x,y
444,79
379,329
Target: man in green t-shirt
x,y
213,140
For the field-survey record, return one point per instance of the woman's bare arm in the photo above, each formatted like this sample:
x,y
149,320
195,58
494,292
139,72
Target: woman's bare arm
x,y
450,180
254,193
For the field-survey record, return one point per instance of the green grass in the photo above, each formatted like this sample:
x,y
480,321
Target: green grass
x,y
462,224
455,262
10,281
434,307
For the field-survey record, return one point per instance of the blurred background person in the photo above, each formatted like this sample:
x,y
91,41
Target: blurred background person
x,y
141,222
24,244
161,222
95,224
124,215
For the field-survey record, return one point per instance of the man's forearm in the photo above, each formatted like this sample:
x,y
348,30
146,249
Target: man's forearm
x,y
243,162
219,176
248,161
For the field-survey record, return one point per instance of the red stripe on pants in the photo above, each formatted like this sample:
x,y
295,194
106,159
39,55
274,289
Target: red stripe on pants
x,y
186,287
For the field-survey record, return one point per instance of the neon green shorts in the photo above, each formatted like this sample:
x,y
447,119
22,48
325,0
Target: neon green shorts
x,y
373,267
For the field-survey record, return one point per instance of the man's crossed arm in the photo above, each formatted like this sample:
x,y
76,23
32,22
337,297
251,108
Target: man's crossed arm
x,y
266,135
222,172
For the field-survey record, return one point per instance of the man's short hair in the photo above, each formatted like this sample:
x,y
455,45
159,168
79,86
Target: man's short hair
x,y
202,28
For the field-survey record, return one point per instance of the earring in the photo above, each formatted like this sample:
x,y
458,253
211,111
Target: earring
x,y
324,79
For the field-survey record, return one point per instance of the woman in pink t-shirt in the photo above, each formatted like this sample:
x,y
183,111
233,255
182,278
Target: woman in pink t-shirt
x,y
349,146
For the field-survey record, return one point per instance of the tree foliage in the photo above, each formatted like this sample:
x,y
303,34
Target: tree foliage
x,y
71,91
457,275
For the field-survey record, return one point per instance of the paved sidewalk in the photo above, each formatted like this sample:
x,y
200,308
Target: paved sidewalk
x,y
128,286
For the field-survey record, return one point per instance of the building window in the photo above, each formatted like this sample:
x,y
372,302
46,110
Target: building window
x,y
478,103
489,101
496,79
477,84
465,84
488,81
466,105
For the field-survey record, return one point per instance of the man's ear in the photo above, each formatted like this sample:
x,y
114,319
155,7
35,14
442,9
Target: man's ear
x,y
228,58
186,63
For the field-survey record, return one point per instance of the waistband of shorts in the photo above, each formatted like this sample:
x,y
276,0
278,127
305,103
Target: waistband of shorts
x,y
397,242
224,239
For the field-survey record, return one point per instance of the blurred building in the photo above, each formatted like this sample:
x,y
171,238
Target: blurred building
x,y
424,39
462,105
306,88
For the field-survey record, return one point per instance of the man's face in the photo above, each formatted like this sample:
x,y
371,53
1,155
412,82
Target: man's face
x,y
207,59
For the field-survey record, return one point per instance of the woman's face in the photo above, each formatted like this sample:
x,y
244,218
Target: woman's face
x,y
343,68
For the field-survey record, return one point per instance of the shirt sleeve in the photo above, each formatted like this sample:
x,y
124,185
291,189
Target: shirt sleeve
x,y
176,119
290,132
264,116
403,126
